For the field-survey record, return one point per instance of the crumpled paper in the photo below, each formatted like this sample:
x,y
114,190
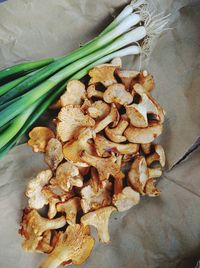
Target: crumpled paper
x,y
160,232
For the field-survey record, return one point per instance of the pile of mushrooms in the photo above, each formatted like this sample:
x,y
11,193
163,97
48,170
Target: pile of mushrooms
x,y
101,159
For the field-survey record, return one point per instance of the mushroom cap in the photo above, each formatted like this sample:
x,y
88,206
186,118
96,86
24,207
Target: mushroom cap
x,y
104,74
70,120
126,199
157,156
99,110
117,93
147,81
127,77
39,137
116,134
93,92
74,94
143,135
53,155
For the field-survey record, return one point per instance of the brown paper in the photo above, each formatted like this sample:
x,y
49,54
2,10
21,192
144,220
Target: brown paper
x,y
159,232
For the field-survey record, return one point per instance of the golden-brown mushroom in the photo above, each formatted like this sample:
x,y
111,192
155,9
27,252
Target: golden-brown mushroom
x,y
116,134
100,220
150,188
127,77
93,92
53,155
117,93
71,119
105,147
157,156
73,246
39,137
74,94
99,110
146,148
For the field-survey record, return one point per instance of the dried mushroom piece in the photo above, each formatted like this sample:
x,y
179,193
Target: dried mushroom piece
x,y
34,189
53,155
72,150
126,199
74,95
150,188
112,117
70,120
104,74
70,207
56,190
117,93
67,176
147,81
100,220
157,156
127,77
96,197
104,166
74,245
44,244
116,134
105,147
39,137
93,92
143,135
53,199
98,110
146,148
33,226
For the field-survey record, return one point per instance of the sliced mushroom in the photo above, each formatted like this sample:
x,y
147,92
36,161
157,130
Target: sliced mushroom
x,y
117,93
150,188
74,94
127,77
105,147
53,155
105,166
116,134
73,149
71,119
112,117
147,81
53,199
99,110
104,74
157,156
143,135
92,92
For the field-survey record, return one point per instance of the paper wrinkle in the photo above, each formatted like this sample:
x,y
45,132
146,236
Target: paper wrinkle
x,y
159,232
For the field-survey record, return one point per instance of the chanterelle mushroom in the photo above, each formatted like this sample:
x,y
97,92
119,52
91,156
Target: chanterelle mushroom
x,y
74,94
105,166
158,155
73,149
104,74
34,189
100,220
105,147
126,199
150,188
113,116
33,226
143,135
71,119
93,92
75,244
117,93
44,244
67,176
39,137
70,207
147,81
53,155
99,110
53,199
116,134
127,77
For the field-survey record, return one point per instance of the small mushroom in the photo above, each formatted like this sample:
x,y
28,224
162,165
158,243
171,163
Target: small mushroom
x,y
85,106
70,120
104,166
67,176
143,135
74,94
150,188
117,93
112,117
126,199
157,156
73,246
34,189
100,220
146,148
147,81
53,155
44,244
116,134
33,226
53,199
98,110
127,77
93,92
105,147
70,207
104,74
73,149
56,190
39,137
